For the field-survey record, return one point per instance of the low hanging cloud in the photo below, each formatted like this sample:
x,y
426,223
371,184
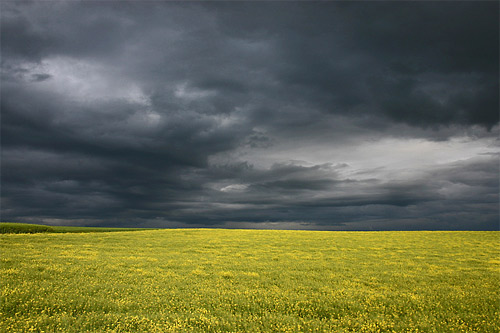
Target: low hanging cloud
x,y
323,115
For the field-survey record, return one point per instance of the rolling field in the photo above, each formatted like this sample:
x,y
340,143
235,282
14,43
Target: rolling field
x,y
208,280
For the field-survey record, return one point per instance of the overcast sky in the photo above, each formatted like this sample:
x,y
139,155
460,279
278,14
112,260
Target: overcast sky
x,y
321,115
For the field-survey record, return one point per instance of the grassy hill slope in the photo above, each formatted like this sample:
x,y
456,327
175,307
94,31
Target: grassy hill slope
x,y
26,228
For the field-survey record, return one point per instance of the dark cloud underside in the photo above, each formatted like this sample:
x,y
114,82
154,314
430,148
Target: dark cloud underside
x,y
321,115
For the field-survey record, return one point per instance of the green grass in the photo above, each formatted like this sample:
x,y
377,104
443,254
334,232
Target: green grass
x,y
25,228
205,280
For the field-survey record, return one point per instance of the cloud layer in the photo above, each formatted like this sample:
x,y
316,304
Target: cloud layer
x,y
323,115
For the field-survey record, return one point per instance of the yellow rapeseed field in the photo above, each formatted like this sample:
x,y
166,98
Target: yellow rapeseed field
x,y
208,280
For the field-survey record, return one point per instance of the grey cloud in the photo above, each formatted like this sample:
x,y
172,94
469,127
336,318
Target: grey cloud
x,y
141,97
350,54
40,77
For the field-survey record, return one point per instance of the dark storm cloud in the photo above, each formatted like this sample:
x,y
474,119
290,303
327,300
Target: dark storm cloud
x,y
421,64
441,199
123,113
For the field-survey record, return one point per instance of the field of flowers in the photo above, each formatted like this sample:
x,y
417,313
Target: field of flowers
x,y
207,280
